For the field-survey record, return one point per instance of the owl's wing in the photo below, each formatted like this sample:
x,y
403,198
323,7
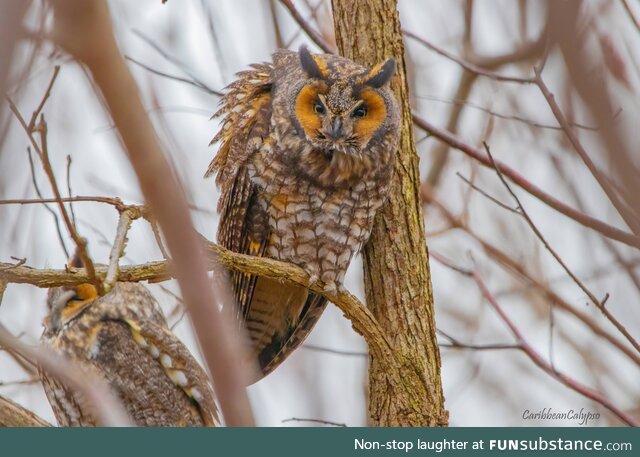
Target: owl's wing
x,y
179,366
65,405
277,316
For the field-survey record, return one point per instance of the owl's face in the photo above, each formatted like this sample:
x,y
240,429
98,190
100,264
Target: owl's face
x,y
65,304
344,116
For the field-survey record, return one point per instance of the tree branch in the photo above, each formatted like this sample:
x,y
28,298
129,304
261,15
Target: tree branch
x,y
588,221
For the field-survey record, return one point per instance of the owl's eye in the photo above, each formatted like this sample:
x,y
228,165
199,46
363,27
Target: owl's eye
x,y
318,107
360,111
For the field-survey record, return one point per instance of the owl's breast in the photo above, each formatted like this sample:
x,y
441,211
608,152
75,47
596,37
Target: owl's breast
x,y
317,228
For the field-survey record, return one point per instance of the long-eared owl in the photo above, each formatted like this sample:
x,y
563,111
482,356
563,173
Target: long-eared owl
x,y
305,161
123,337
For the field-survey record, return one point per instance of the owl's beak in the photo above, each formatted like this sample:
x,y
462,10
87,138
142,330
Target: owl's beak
x,y
335,129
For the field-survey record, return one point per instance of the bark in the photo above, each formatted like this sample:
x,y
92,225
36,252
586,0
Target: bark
x,y
396,262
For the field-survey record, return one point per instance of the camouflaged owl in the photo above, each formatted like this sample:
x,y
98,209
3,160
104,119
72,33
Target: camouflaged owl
x,y
123,337
305,160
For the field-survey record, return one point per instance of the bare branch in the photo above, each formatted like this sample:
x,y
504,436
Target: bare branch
x,y
315,36
629,217
588,221
600,304
473,68
533,355
317,421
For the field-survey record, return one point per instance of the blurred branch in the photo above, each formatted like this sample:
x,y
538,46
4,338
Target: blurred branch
x,y
109,411
85,31
10,30
302,22
604,182
191,82
588,77
600,304
531,353
588,221
508,117
481,68
517,268
194,79
631,14
14,415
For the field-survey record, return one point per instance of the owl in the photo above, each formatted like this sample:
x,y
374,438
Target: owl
x,y
305,158
123,338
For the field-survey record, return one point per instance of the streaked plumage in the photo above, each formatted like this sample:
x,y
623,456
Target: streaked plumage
x,y
305,160
123,337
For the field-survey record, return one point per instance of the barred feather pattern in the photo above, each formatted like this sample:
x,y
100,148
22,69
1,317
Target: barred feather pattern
x,y
292,199
123,338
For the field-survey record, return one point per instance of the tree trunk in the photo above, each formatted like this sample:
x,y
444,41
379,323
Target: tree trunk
x,y
396,262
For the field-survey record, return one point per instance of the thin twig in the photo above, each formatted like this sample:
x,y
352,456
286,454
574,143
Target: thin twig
x,y
588,221
533,355
81,243
600,304
313,347
56,220
69,192
22,382
311,33
317,421
473,68
43,101
454,343
486,194
191,82
507,117
43,152
194,79
115,201
628,216
514,267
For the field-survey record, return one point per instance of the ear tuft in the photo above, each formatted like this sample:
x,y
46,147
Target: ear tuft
x,y
381,73
309,64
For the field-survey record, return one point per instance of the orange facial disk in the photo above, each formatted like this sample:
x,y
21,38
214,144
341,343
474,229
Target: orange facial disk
x,y
376,114
309,120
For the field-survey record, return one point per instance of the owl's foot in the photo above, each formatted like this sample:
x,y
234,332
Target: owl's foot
x,y
314,278
333,287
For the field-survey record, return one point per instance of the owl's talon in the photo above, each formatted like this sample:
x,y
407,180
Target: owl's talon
x,y
313,279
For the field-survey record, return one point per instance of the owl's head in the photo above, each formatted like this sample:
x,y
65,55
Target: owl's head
x,y
67,303
339,109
